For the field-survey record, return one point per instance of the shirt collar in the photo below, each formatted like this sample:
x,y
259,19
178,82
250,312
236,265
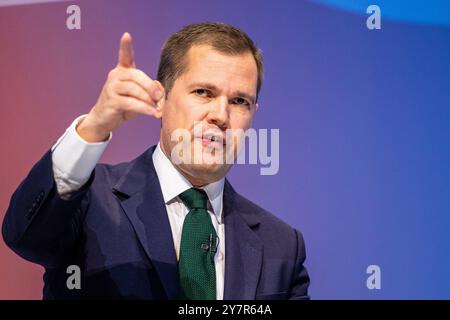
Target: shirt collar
x,y
173,183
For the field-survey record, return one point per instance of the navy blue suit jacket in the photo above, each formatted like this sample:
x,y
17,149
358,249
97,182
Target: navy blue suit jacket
x,y
117,231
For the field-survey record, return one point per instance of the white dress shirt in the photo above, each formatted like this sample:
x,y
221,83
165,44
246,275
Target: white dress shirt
x,y
74,159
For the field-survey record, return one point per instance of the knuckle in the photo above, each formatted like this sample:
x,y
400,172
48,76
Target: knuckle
x,y
154,86
128,105
112,73
111,88
143,75
144,79
120,105
129,88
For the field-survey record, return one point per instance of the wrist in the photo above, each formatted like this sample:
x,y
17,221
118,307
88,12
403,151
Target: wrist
x,y
90,132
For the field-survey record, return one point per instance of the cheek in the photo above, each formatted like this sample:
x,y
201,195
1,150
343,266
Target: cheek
x,y
186,111
176,114
169,117
240,120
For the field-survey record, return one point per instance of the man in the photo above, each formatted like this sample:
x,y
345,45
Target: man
x,y
155,227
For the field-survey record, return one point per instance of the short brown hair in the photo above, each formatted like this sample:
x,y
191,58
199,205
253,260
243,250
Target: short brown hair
x,y
221,36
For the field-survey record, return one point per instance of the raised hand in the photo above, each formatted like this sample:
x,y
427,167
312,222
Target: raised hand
x,y
127,93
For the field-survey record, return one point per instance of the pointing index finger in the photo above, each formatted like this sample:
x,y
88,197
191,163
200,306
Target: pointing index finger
x,y
126,52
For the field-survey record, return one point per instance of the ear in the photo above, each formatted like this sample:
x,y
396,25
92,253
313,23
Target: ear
x,y
161,102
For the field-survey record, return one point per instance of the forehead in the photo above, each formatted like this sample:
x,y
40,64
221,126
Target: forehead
x,y
204,63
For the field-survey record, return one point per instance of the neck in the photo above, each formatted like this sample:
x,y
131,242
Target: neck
x,y
195,182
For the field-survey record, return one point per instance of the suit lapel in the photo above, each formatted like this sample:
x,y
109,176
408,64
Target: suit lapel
x,y
142,200
243,250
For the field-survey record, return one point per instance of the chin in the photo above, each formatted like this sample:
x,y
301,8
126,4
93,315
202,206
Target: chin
x,y
207,172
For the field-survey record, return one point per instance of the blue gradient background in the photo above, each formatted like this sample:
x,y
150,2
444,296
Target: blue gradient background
x,y
363,118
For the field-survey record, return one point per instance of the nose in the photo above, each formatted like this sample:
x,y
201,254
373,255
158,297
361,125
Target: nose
x,y
218,113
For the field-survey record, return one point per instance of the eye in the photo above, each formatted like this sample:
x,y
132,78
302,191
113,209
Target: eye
x,y
241,101
202,92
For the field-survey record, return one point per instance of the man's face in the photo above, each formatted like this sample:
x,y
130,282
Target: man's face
x,y
216,92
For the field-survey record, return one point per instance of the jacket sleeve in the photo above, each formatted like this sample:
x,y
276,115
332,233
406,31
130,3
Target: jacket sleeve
x,y
39,225
300,278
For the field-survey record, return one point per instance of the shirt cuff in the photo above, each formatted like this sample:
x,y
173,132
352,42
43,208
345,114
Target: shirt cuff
x,y
74,158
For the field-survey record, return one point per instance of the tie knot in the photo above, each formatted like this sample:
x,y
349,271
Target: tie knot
x,y
194,198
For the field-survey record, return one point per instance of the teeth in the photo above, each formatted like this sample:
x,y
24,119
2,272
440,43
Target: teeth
x,y
212,138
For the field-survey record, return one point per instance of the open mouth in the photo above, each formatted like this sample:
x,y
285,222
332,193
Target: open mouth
x,y
213,139
210,137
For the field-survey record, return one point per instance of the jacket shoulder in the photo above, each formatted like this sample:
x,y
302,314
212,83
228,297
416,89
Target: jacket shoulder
x,y
268,222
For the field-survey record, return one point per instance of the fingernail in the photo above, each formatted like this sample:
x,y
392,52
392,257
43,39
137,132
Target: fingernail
x,y
157,94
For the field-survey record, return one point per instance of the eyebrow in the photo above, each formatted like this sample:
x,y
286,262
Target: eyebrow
x,y
212,87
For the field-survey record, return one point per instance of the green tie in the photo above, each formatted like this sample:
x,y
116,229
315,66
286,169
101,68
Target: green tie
x,y
198,246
